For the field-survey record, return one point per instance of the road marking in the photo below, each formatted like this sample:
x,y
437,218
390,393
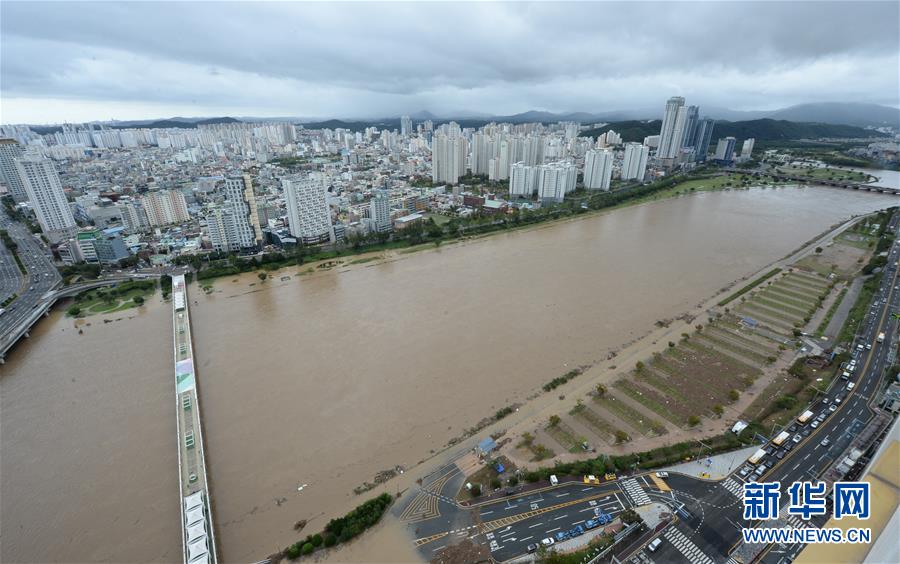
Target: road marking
x,y
560,517
526,538
487,512
535,525
562,494
554,530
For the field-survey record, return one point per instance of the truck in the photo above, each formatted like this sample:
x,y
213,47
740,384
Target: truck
x,y
782,436
805,416
880,338
757,456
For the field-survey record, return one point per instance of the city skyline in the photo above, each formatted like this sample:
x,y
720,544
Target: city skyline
x,y
64,62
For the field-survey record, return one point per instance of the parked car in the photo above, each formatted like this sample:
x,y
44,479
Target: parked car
x,y
797,438
562,535
610,476
662,474
591,479
744,471
549,541
654,545
591,524
825,442
532,548
832,409
814,424
780,454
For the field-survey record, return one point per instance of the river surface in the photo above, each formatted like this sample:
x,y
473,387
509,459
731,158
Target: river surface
x,y
327,378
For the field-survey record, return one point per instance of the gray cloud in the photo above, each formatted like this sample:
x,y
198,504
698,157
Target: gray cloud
x,y
63,60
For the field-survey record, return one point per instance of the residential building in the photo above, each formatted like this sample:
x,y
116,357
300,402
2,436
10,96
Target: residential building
x,y
747,149
406,126
10,150
309,217
634,165
380,211
703,138
448,157
598,165
45,192
691,121
243,230
522,180
725,149
134,218
671,133
165,207
555,180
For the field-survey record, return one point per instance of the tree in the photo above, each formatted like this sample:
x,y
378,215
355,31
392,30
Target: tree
x,y
476,490
630,516
513,481
818,250
719,410
639,366
621,437
308,548
317,540
786,401
693,420
734,395
601,390
262,276
74,311
495,483
554,420
138,300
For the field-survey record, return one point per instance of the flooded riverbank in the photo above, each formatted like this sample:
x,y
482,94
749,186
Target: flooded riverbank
x,y
325,379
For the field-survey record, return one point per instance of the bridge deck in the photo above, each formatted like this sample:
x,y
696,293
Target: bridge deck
x,y
198,537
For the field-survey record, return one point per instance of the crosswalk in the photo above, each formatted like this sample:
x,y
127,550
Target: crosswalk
x,y
686,547
635,492
733,487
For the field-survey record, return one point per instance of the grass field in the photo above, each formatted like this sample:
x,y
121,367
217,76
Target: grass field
x,y
638,421
825,173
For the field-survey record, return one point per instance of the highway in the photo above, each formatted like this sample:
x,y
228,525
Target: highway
x,y
42,275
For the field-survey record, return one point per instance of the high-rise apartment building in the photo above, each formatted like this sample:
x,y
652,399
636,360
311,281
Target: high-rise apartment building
x,y
703,138
309,216
45,192
555,180
448,157
406,126
671,133
747,148
634,165
380,211
134,218
691,120
598,165
165,207
234,226
725,149
522,180
10,150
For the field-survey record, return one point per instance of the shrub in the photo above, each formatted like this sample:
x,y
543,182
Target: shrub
x,y
554,420
532,477
74,311
476,490
293,551
138,300
734,395
495,483
719,410
513,481
308,548
693,420
601,390
317,540
330,540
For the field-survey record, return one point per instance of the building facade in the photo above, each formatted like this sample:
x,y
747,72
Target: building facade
x,y
598,165
45,192
634,164
10,150
309,216
165,208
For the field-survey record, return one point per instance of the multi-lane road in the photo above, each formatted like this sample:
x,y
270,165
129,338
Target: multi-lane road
x,y
709,513
41,278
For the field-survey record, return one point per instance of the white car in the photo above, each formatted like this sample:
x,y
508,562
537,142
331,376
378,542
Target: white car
x,y
548,541
850,385
662,474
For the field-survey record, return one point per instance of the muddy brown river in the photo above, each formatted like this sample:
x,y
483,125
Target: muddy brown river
x,y
327,378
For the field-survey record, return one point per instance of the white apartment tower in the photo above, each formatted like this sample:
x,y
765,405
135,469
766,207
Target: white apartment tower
x,y
634,166
406,126
165,207
522,180
598,165
448,158
307,208
555,180
380,211
671,134
235,225
45,192
10,150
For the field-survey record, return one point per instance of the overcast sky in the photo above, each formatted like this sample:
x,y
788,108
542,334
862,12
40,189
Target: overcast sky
x,y
106,60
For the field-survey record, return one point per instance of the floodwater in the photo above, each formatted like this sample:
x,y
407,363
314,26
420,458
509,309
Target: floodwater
x,y
328,378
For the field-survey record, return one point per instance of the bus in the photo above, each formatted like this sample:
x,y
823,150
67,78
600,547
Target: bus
x,y
757,456
782,436
805,416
